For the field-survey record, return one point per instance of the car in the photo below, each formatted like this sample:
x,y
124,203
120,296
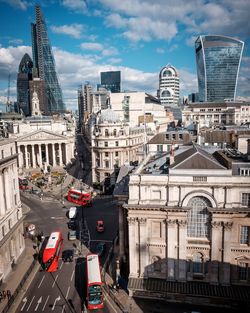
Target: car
x,y
100,226
72,212
67,255
72,224
72,235
99,248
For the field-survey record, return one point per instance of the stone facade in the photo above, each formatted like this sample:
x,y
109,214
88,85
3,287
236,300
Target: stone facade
x,y
11,219
189,220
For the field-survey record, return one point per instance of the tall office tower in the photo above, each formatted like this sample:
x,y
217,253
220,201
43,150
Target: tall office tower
x,y
218,61
24,76
169,86
111,81
84,103
44,63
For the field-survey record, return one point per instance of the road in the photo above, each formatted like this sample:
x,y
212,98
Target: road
x,y
63,290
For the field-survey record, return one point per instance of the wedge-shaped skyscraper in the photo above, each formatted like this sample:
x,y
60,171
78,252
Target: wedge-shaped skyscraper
x,y
44,63
218,61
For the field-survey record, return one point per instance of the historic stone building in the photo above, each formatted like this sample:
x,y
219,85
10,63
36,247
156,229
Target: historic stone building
x,y
11,218
188,222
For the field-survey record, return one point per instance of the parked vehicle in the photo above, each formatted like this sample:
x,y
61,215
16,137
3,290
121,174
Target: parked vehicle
x,y
72,212
100,226
72,224
72,235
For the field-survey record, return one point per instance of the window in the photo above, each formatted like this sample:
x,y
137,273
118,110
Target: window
x,y
106,133
159,148
242,271
115,132
244,235
107,164
117,143
244,172
245,199
116,153
106,154
198,217
2,154
106,144
198,263
200,178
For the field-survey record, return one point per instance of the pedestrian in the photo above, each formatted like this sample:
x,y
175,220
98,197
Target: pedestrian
x,y
8,294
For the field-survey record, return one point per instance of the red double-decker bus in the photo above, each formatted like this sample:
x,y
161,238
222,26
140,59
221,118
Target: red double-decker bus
x,y
94,283
52,252
79,197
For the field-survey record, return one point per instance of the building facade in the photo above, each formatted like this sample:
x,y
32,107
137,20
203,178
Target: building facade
x,y
221,113
218,61
44,63
169,86
24,76
111,81
11,219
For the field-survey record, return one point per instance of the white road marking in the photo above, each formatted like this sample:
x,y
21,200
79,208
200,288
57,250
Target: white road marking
x,y
63,308
38,303
57,217
54,281
41,282
57,299
72,275
24,303
110,304
67,292
46,302
30,303
109,241
61,265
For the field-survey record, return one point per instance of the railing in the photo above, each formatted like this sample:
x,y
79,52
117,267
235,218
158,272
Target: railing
x,y
19,287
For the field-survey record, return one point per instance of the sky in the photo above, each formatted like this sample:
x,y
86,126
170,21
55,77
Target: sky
x,y
137,37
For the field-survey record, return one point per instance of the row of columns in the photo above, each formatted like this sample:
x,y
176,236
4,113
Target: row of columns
x,y
38,157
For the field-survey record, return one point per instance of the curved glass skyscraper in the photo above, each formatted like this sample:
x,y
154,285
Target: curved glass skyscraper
x,y
44,63
218,61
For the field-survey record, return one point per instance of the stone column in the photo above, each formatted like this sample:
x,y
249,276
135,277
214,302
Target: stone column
x,y
40,155
172,248
47,153
60,154
142,222
133,258
19,157
26,156
121,232
2,195
182,225
215,252
66,153
33,156
7,193
53,155
225,272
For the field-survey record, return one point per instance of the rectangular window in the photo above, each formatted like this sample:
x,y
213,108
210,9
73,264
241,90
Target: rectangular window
x,y
159,148
200,178
117,143
116,153
105,144
106,154
245,199
244,235
243,267
107,164
2,154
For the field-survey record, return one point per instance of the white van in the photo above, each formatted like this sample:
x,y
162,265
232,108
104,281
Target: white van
x,y
72,212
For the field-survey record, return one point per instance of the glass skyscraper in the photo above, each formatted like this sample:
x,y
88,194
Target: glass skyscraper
x,y
24,77
218,61
44,63
111,81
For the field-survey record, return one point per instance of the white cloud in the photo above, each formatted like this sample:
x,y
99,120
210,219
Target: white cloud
x,y
18,4
15,41
108,51
160,50
114,60
94,46
79,6
73,30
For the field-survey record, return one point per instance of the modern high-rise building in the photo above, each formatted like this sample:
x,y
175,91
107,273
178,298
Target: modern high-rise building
x,y
44,63
169,86
218,61
24,76
111,81
84,102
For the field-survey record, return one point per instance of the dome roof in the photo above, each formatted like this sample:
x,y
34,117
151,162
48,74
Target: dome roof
x,y
109,116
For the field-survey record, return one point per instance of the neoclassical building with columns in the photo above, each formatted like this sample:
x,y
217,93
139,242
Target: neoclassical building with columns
x,y
188,227
11,219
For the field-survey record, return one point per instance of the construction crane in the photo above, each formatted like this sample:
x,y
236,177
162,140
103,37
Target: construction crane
x,y
8,103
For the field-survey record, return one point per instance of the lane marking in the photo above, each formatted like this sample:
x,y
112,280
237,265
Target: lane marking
x,y
45,302
24,303
67,292
57,299
106,298
30,303
54,281
61,265
63,308
41,282
72,275
38,303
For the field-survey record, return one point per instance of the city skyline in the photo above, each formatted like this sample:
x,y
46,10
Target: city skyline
x,y
89,37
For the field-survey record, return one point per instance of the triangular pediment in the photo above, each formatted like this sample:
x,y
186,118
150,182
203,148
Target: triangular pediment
x,y
196,158
41,135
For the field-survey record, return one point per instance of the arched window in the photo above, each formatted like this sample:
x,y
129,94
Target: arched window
x,y
198,217
166,93
167,73
198,263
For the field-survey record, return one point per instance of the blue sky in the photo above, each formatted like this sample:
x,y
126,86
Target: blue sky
x,y
137,37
